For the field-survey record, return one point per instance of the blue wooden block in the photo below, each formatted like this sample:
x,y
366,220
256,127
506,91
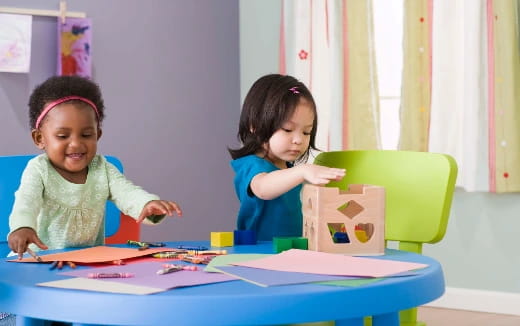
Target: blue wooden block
x,y
245,237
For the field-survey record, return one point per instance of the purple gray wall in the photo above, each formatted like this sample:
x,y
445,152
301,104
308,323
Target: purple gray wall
x,y
169,72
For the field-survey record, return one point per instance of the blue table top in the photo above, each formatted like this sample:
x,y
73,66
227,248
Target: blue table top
x,y
228,303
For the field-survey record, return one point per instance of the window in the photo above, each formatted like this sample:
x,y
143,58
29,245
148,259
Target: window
x,y
388,39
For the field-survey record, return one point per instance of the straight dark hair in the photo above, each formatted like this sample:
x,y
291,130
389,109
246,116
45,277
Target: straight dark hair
x,y
270,102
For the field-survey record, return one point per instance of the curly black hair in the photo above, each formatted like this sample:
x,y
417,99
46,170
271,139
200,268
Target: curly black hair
x,y
58,87
269,103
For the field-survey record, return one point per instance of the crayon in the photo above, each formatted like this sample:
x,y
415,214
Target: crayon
x,y
71,264
198,259
169,270
110,275
168,254
119,262
207,252
136,243
155,244
145,244
35,256
60,265
53,265
184,267
193,248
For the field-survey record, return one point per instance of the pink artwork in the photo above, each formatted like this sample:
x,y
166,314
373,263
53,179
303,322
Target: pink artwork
x,y
74,47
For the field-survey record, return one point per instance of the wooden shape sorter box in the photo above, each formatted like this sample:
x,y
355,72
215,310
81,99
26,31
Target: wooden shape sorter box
x,y
344,221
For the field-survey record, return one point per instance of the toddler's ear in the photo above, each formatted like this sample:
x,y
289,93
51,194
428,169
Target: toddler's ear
x,y
37,138
99,133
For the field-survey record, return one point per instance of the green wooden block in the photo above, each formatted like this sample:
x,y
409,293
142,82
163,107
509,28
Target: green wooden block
x,y
300,243
282,243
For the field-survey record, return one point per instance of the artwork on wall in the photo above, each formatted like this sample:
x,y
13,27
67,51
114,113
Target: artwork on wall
x,y
74,45
15,43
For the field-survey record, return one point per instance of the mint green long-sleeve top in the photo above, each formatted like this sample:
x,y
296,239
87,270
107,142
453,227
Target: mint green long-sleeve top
x,y
65,214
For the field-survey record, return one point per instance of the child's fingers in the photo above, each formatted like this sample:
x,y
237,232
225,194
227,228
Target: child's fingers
x,y
174,208
171,207
39,243
141,217
20,249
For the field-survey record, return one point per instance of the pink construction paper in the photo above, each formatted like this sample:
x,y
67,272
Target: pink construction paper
x,y
145,274
314,262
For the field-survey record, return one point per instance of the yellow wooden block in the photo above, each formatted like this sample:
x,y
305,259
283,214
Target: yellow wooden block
x,y
222,239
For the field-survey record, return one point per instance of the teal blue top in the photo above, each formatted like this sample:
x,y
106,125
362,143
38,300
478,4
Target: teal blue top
x,y
66,214
278,217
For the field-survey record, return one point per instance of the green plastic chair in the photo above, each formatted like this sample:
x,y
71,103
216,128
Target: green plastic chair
x,y
419,190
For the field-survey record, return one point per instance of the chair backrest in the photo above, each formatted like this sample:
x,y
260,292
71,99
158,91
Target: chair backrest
x,y
11,169
419,190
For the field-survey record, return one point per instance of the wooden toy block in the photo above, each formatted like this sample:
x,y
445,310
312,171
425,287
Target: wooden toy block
x,y
285,243
344,221
244,237
221,239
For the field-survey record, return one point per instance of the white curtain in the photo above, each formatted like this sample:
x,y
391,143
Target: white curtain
x,y
459,120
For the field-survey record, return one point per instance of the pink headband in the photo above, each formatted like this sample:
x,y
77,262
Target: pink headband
x,y
65,99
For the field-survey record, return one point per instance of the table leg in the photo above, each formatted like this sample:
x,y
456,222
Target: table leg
x,y
26,321
390,319
350,322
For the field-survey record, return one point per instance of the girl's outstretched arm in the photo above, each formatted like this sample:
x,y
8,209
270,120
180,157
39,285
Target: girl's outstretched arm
x,y
268,186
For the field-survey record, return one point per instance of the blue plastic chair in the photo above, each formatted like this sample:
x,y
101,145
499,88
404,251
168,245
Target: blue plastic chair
x,y
11,169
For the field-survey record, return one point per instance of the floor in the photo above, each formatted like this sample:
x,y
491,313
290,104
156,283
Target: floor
x,y
445,317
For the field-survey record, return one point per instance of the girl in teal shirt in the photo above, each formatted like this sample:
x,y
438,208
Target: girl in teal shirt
x,y
277,129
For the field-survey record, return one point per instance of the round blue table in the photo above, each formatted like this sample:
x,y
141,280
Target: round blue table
x,y
228,303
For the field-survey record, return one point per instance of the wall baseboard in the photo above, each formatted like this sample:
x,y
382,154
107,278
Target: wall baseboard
x,y
479,300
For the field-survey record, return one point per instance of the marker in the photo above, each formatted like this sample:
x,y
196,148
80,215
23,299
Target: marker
x,y
184,267
35,256
169,270
109,275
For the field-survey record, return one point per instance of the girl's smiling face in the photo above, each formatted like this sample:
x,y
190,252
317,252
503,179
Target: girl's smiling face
x,y
290,142
69,134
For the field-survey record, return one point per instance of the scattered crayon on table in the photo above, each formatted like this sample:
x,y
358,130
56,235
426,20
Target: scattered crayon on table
x,y
169,270
184,267
207,252
110,275
54,265
169,255
35,256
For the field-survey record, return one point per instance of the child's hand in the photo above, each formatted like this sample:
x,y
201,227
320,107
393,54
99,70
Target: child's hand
x,y
159,207
321,175
21,238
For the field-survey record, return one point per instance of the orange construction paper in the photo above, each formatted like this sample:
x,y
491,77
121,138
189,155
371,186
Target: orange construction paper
x,y
99,254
